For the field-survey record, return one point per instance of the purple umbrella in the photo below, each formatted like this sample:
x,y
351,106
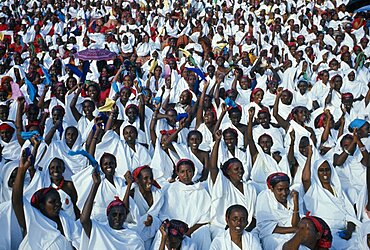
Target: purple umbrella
x,y
95,54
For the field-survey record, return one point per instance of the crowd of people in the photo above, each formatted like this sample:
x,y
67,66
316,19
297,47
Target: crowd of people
x,y
193,124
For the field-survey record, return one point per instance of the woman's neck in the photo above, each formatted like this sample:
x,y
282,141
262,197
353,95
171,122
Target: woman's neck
x,y
237,239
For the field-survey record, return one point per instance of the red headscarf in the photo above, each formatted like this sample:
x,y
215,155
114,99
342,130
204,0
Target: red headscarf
x,y
38,196
324,242
5,126
115,203
137,171
254,92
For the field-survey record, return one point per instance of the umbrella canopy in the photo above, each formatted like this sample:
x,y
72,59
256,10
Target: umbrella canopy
x,y
354,5
95,54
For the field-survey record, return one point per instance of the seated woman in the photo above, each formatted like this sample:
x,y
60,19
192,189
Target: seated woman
x,y
191,151
264,161
180,194
148,197
277,211
9,144
235,236
312,233
111,185
325,198
111,235
351,159
52,175
43,223
228,188
173,236
71,141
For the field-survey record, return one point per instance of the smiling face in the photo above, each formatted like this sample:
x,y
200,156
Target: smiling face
x,y
235,172
324,173
237,221
71,136
116,217
108,164
230,140
264,119
194,140
265,142
130,134
258,96
281,191
145,179
185,172
51,205
56,169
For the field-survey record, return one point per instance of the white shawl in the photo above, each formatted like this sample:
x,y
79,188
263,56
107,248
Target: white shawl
x,y
223,242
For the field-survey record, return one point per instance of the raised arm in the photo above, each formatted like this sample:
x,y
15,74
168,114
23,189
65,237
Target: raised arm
x,y
251,143
281,121
219,120
95,139
18,120
213,167
172,137
291,159
126,198
306,173
86,211
362,148
153,123
199,115
73,103
17,194
52,131
41,102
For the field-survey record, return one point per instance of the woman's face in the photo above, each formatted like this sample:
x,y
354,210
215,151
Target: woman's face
x,y
130,135
57,115
230,141
286,98
132,114
257,98
237,221
92,92
60,92
125,95
71,136
6,135
185,173
266,143
235,172
264,119
194,141
235,118
302,88
108,165
52,204
209,117
116,217
145,180
88,107
303,146
185,97
351,76
56,169
300,116
281,191
324,173
325,77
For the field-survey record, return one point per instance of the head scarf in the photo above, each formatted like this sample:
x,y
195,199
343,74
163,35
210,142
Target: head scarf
x,y
185,160
137,171
115,203
275,178
176,228
323,228
254,92
356,123
39,195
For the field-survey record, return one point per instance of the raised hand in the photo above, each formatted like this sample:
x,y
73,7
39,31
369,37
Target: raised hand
x,y
149,221
251,112
218,135
96,176
292,135
128,178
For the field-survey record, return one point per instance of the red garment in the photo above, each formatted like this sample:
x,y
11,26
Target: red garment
x,y
104,94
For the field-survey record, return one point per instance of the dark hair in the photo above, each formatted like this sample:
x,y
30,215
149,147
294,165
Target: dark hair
x,y
130,126
40,196
232,208
105,155
295,111
227,164
185,162
234,110
230,131
195,132
322,227
346,137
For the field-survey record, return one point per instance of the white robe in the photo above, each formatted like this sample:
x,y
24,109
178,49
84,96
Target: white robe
x,y
336,209
223,195
223,242
190,204
42,233
270,214
104,237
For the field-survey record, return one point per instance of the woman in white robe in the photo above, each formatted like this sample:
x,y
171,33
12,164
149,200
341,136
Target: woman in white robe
x,y
111,235
11,149
235,237
325,198
264,162
43,223
148,197
71,141
111,185
228,188
277,211
179,195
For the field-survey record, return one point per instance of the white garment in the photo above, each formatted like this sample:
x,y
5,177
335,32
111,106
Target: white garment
x,y
104,237
223,242
223,195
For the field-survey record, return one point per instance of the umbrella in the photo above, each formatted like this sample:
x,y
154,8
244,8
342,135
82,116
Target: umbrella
x,y
95,54
354,5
